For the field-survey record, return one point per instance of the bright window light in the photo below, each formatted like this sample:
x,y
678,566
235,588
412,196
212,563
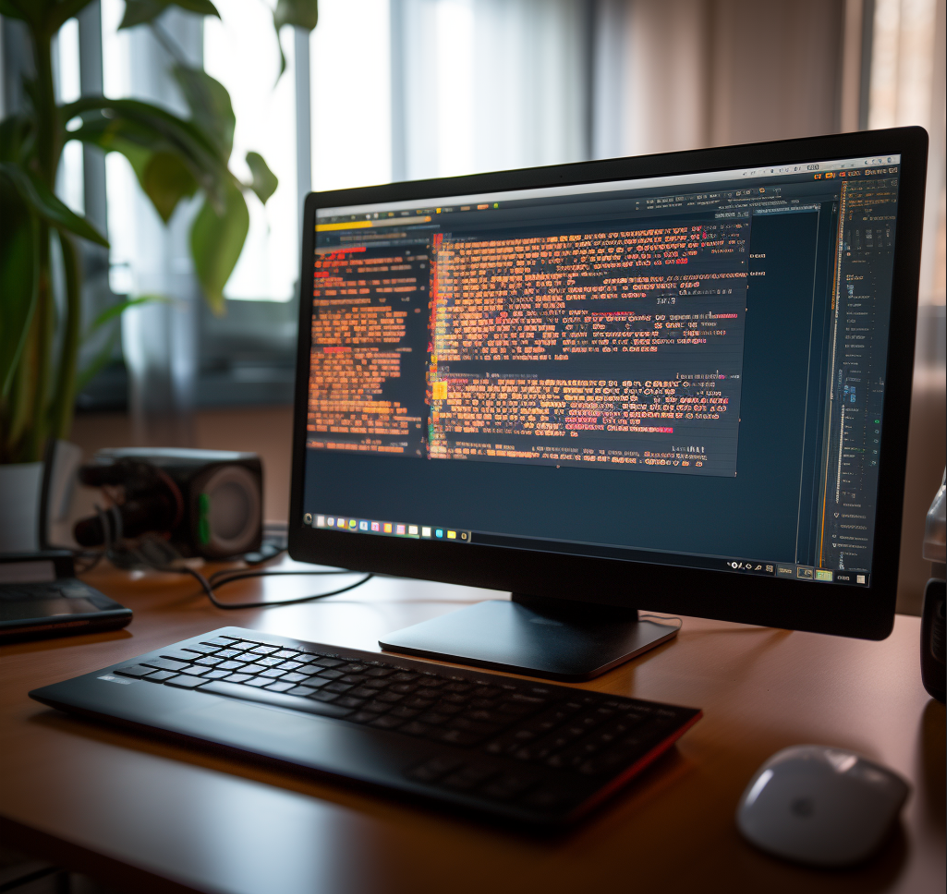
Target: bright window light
x,y
350,65
240,51
120,181
69,184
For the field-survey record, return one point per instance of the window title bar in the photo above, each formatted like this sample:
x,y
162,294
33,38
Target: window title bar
x,y
487,199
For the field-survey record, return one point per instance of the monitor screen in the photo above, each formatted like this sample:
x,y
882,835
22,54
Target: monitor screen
x,y
686,370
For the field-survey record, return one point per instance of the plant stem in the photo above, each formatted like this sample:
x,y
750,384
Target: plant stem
x,y
169,44
48,132
49,139
64,394
42,333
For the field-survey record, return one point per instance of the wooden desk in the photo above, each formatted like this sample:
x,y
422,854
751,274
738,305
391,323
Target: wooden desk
x,y
152,815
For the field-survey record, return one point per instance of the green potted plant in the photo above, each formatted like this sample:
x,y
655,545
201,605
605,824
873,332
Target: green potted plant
x,y
173,157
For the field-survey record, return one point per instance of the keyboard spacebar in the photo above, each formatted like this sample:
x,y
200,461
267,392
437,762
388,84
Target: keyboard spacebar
x,y
251,694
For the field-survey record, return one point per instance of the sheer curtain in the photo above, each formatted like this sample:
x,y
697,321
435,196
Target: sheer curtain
x,y
907,87
490,84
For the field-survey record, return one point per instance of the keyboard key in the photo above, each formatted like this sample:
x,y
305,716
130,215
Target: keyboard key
x,y
227,653
165,664
468,777
459,737
363,692
248,693
289,665
203,649
195,671
299,690
414,728
273,673
434,769
269,662
265,650
237,678
507,787
218,641
362,717
216,675
434,719
179,655
286,653
421,703
159,676
182,681
338,687
229,665
259,681
323,696
209,662
292,678
134,670
348,702
331,674
387,721
278,687
328,662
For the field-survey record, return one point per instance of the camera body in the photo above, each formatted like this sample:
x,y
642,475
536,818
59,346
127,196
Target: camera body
x,y
206,503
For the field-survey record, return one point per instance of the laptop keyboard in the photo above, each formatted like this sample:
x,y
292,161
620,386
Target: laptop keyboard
x,y
504,740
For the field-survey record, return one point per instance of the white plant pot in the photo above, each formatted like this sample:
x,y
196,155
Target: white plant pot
x,y
19,506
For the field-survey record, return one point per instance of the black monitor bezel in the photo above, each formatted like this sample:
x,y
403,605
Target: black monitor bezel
x,y
854,611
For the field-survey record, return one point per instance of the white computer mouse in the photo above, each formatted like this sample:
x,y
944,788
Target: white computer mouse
x,y
820,805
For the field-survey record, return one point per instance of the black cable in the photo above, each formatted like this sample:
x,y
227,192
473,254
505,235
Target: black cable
x,y
209,588
238,574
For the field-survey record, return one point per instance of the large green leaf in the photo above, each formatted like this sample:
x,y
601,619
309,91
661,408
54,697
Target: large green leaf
x,y
216,243
264,181
210,105
123,124
166,180
141,12
31,11
298,13
39,197
16,137
19,277
116,310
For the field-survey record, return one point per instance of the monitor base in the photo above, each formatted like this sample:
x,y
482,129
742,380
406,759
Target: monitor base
x,y
540,637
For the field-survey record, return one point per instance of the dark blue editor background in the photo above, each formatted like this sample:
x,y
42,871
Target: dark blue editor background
x,y
753,515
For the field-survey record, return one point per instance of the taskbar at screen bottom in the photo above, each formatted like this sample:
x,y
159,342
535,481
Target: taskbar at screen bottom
x,y
759,567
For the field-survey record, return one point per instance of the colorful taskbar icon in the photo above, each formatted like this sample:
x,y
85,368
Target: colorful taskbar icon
x,y
389,529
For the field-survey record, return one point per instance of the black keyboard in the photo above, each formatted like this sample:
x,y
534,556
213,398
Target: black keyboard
x,y
530,751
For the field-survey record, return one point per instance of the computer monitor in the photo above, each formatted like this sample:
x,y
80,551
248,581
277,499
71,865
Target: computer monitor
x,y
674,382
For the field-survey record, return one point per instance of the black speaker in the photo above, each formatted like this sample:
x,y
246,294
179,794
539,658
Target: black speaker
x,y
932,639
206,503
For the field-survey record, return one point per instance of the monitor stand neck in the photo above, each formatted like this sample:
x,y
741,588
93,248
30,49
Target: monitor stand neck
x,y
558,639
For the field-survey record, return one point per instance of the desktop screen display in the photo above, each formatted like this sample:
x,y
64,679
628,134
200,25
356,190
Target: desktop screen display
x,y
686,370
